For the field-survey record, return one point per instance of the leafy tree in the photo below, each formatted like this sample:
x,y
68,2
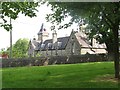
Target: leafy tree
x,y
12,9
103,21
20,48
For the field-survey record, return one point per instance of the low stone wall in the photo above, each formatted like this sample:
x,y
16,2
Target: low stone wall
x,y
40,61
23,62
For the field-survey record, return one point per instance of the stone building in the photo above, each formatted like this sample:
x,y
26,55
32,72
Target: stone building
x,y
75,44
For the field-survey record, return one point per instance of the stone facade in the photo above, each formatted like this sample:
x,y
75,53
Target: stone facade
x,y
53,53
75,44
73,47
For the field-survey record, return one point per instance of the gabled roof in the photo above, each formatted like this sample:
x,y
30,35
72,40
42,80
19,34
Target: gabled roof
x,y
85,43
63,40
82,41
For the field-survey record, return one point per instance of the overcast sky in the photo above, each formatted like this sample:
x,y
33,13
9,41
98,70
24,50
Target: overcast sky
x,y
25,27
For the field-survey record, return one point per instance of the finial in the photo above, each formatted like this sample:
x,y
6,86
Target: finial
x,y
41,29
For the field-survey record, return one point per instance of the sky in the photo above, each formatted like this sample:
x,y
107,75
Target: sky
x,y
26,27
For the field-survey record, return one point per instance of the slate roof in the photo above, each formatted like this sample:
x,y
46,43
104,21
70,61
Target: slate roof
x,y
63,40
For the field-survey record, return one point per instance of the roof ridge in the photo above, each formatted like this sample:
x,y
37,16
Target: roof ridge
x,y
57,38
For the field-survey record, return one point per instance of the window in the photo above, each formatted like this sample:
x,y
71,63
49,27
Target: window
x,y
42,46
73,48
49,45
59,44
72,39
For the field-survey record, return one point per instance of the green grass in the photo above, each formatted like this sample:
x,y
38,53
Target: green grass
x,y
84,75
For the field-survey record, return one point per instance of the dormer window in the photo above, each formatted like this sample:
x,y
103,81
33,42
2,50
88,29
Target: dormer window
x,y
49,45
42,46
59,44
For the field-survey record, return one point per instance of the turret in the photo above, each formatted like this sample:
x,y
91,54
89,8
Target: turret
x,y
42,34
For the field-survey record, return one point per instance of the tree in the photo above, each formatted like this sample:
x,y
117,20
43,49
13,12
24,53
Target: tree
x,y
12,9
20,48
103,20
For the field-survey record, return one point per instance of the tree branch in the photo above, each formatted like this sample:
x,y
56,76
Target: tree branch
x,y
107,23
105,16
95,25
108,18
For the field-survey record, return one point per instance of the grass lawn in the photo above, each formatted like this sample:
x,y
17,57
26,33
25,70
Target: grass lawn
x,y
83,75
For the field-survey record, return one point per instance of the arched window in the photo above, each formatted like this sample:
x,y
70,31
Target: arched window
x,y
73,48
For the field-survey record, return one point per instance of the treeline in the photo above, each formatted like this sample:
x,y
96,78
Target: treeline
x,y
19,49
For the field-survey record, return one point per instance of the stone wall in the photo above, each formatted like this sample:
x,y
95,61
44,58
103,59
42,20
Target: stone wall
x,y
40,61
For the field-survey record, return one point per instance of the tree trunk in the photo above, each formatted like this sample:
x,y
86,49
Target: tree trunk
x,y
116,40
109,43
116,51
110,55
113,50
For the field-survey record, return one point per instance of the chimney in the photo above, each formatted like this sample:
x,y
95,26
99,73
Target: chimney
x,y
54,36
